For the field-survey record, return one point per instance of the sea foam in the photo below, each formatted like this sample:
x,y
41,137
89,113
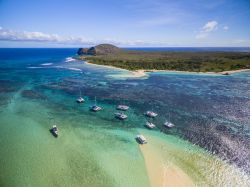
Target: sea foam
x,y
69,59
34,67
74,69
46,64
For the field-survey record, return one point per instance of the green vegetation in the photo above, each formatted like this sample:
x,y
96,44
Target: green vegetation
x,y
180,61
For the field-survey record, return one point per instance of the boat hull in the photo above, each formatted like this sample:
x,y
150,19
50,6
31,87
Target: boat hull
x,y
53,132
122,107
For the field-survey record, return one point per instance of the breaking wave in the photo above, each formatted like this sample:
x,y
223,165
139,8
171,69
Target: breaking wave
x,y
69,59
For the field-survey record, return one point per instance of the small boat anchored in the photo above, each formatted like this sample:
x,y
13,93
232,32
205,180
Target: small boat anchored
x,y
141,139
95,108
151,114
122,107
121,116
54,131
80,99
168,124
150,125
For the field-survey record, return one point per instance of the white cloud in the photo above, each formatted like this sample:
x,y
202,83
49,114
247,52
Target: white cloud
x,y
206,29
25,36
210,26
10,35
225,28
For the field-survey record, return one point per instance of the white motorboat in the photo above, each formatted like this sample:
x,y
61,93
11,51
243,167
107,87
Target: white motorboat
x,y
151,114
168,124
150,125
120,116
122,107
141,139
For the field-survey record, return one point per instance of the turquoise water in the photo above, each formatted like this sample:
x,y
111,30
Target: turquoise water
x,y
39,88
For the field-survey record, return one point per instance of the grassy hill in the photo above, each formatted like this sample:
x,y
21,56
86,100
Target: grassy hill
x,y
180,61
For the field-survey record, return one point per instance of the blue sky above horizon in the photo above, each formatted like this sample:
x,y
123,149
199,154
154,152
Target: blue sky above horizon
x,y
126,23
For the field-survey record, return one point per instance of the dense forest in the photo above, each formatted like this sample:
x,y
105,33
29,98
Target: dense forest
x,y
181,61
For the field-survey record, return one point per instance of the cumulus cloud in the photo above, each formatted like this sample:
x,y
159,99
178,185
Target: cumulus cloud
x,y
210,26
26,36
206,29
10,35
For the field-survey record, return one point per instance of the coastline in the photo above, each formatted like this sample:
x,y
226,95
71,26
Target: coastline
x,y
135,74
209,72
143,72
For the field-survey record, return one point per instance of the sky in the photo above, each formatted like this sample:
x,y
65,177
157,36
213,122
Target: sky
x,y
125,23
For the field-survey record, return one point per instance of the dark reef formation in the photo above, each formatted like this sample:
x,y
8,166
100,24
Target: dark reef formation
x,y
32,94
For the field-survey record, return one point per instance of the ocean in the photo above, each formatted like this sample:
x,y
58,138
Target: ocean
x,y
210,142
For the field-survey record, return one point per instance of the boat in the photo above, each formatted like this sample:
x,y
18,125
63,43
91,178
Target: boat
x,y
54,131
141,139
122,107
150,125
95,108
168,124
120,116
80,99
151,114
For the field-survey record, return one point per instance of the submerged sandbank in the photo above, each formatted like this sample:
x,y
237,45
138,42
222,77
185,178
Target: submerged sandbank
x,y
171,161
163,173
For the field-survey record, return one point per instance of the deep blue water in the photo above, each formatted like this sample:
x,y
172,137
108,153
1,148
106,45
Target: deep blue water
x,y
211,111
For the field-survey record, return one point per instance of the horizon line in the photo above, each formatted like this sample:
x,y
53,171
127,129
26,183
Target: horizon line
x,y
128,47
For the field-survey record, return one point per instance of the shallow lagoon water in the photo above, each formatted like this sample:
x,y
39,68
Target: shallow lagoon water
x,y
211,114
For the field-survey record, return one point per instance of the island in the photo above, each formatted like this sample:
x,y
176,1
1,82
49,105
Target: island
x,y
207,61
